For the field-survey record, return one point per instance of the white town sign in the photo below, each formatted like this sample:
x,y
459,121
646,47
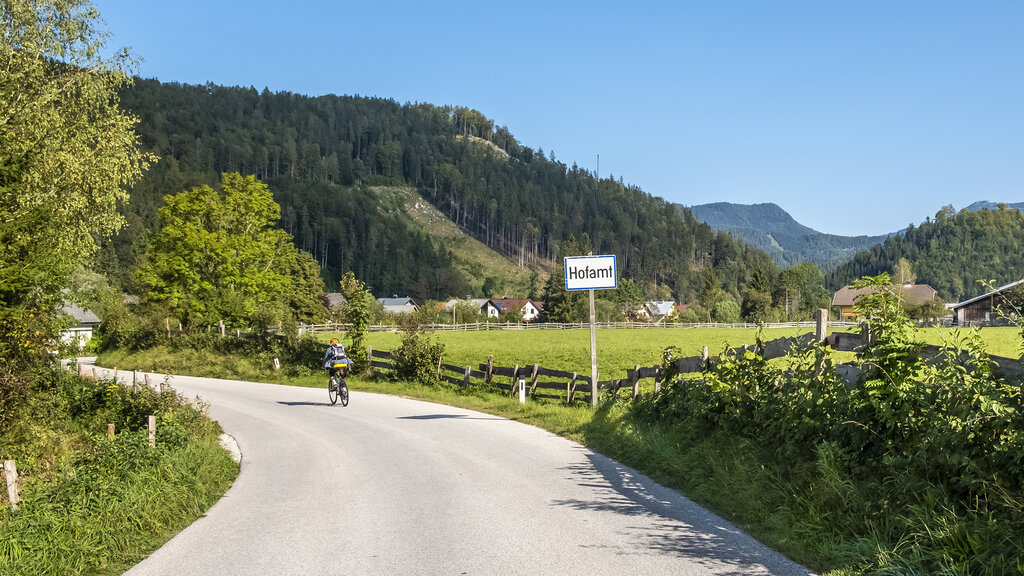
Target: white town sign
x,y
590,272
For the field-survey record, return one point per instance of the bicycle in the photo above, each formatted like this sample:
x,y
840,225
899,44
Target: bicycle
x,y
338,388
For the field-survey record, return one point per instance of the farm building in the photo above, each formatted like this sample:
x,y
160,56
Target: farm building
x,y
396,305
984,308
913,294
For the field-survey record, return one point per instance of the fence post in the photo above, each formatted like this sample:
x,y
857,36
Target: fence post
x,y
821,330
167,324
635,380
657,379
570,389
11,476
147,381
705,356
490,368
94,376
533,378
369,360
110,431
79,365
465,380
115,373
440,359
221,324
151,424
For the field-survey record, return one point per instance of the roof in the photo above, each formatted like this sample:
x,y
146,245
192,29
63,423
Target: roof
x,y
404,301
478,302
506,304
986,295
912,294
81,315
660,307
334,299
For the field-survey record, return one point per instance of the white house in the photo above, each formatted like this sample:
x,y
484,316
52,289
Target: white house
x,y
85,322
396,305
498,306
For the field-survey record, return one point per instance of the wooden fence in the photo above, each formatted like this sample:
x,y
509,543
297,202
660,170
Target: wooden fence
x,y
540,382
544,382
487,326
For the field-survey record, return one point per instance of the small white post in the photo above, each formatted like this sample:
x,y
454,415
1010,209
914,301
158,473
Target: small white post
x,y
277,364
151,424
522,390
110,431
11,476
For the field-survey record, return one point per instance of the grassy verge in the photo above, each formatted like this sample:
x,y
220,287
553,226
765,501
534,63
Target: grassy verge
x,y
94,505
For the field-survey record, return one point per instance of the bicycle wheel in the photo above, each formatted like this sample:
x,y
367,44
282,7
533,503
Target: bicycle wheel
x,y
344,393
332,391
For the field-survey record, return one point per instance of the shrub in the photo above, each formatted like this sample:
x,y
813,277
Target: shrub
x,y
417,358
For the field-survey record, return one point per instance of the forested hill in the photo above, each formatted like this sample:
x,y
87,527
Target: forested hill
x,y
951,252
322,157
770,228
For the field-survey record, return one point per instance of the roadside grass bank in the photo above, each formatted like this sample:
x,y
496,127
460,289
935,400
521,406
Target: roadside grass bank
x,y
97,505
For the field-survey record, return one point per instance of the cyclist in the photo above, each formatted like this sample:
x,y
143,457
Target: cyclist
x,y
334,353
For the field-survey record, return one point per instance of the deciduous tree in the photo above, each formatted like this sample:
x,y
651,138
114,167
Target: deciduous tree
x,y
218,257
68,154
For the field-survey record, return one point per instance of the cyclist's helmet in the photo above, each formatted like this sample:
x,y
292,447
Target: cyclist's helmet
x,y
334,341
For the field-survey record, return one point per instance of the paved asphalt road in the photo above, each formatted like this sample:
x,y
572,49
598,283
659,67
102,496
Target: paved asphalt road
x,y
395,486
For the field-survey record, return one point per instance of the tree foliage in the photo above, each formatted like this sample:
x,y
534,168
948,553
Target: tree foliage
x,y
218,257
68,153
358,312
950,253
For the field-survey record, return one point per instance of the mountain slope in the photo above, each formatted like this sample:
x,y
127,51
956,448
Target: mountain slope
x,y
322,156
472,258
770,228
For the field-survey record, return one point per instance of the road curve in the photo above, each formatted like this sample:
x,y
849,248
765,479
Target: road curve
x,y
390,485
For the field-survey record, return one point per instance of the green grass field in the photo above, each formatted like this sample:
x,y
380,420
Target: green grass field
x,y
619,350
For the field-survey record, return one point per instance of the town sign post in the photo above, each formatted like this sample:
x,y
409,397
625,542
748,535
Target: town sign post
x,y
591,273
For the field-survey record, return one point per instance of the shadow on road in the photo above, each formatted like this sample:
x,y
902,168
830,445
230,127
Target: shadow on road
x,y
682,528
443,416
304,403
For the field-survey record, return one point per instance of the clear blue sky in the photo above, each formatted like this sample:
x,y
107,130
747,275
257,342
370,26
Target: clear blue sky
x,y
856,117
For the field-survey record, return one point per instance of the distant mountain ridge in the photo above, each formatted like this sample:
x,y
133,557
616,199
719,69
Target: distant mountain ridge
x,y
986,205
770,228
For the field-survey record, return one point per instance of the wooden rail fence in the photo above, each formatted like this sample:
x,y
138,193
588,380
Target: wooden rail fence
x,y
488,326
544,382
